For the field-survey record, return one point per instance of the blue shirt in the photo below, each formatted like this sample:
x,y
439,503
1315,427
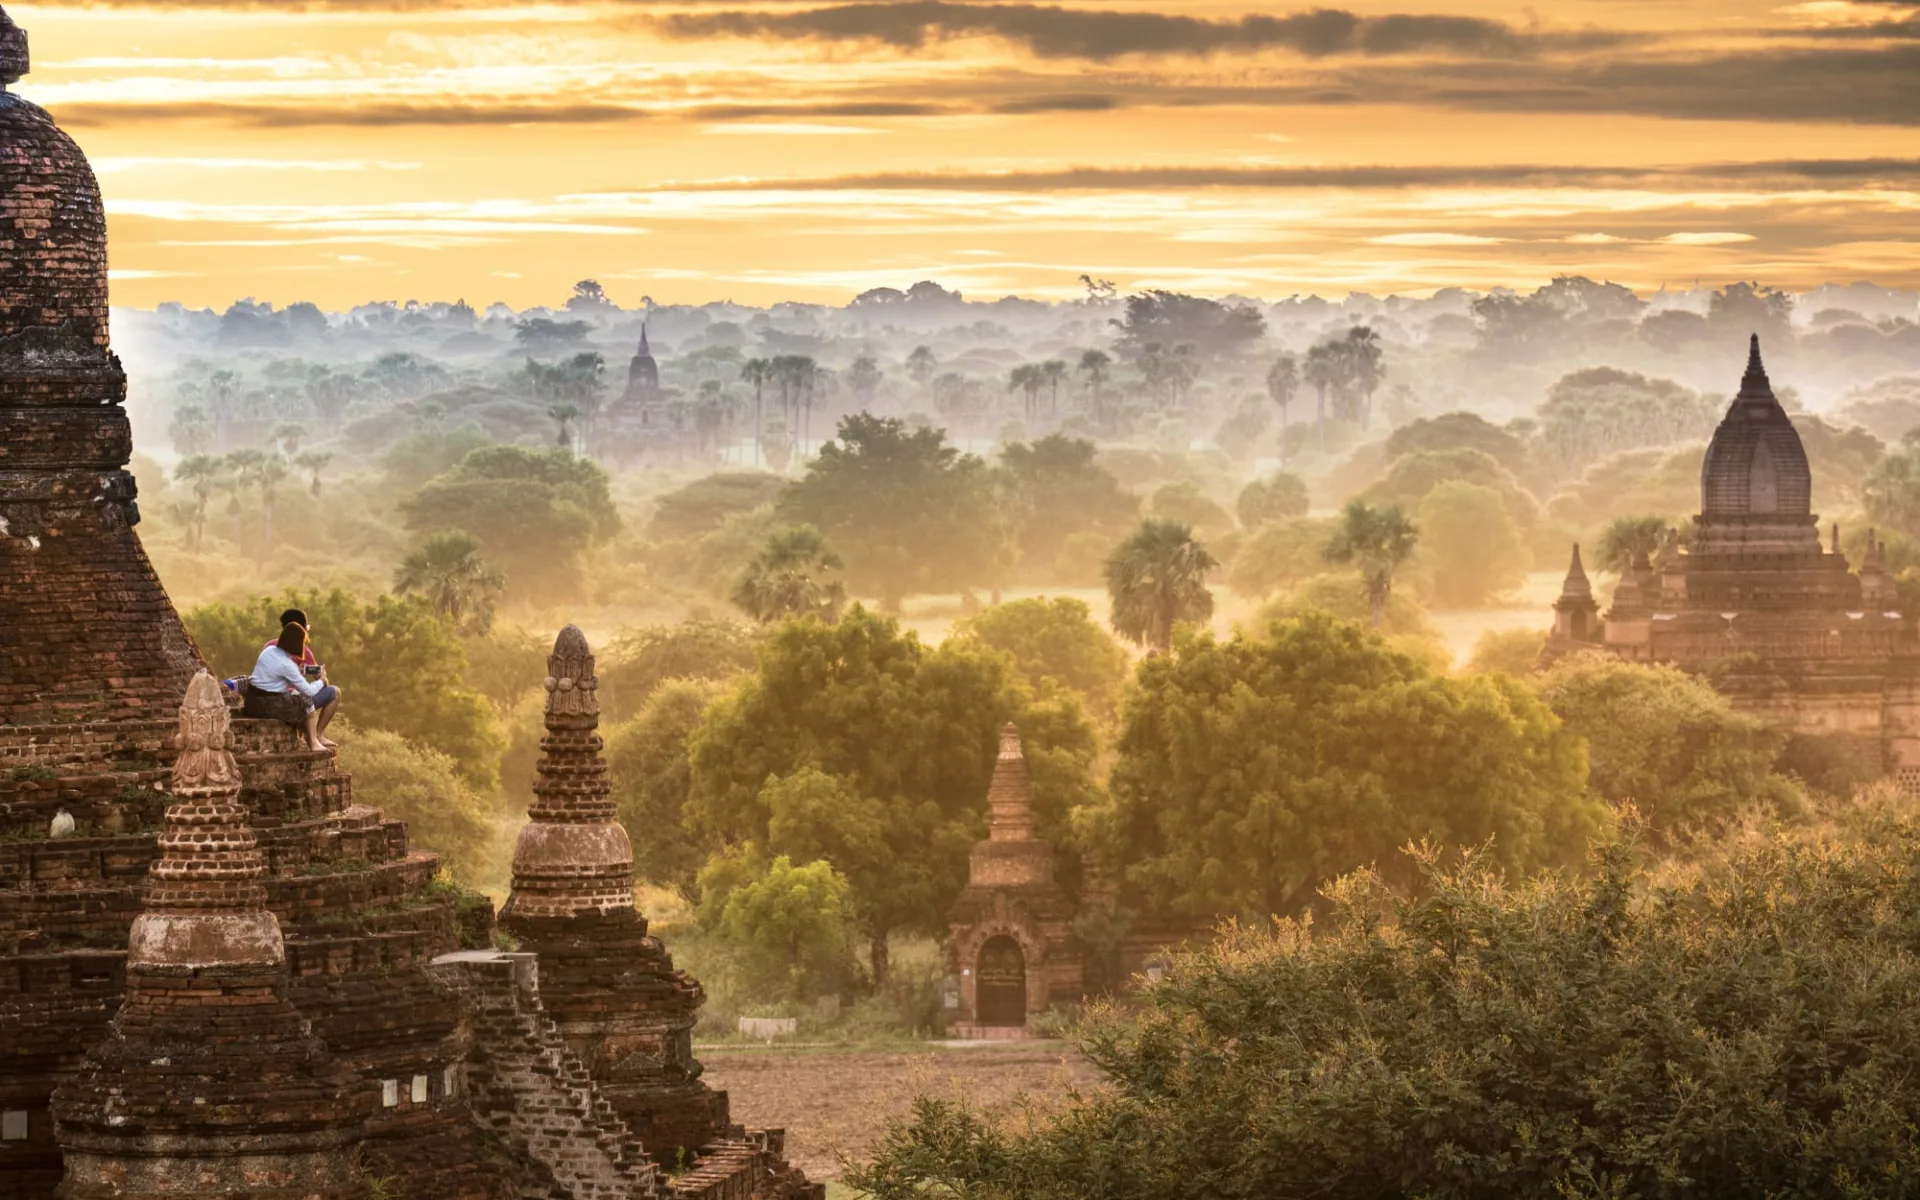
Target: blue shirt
x,y
276,671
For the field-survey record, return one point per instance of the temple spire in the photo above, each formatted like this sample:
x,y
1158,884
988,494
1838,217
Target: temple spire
x,y
1755,385
1577,583
644,351
14,59
1010,795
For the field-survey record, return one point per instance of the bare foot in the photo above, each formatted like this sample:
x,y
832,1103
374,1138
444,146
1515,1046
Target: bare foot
x,y
320,747
329,743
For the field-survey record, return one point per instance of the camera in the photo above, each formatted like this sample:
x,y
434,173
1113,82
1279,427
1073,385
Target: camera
x,y
311,671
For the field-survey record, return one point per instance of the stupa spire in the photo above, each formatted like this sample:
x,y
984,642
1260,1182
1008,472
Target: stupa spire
x,y
573,857
1577,585
1754,385
14,59
1010,795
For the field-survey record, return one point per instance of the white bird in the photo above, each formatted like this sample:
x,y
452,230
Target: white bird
x,y
62,824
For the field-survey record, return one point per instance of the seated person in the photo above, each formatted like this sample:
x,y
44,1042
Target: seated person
x,y
308,663
279,689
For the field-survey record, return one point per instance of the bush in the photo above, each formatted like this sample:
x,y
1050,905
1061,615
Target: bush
x,y
1508,651
1279,554
425,789
1666,741
1185,503
1345,596
1744,1033
1278,497
789,924
1471,544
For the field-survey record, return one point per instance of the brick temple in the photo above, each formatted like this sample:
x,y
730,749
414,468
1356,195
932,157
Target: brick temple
x,y
222,973
1791,631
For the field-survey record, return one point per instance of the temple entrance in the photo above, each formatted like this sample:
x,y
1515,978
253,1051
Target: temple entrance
x,y
1000,983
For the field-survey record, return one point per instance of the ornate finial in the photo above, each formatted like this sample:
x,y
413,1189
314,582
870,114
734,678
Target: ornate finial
x,y
1754,385
204,739
572,688
1010,742
14,60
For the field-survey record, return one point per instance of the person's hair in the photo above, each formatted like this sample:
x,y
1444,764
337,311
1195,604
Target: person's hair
x,y
294,616
293,640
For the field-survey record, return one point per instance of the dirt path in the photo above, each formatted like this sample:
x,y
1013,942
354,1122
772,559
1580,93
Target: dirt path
x,y
839,1101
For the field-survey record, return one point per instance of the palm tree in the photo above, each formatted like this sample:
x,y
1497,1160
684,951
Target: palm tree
x,y
1322,372
238,478
1096,365
1052,372
1379,541
1627,538
189,430
288,437
1283,380
313,462
863,377
1157,579
788,579
203,472
456,581
1026,380
267,475
757,371
565,415
1366,366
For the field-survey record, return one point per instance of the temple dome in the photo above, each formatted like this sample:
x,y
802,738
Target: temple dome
x,y
53,230
1755,465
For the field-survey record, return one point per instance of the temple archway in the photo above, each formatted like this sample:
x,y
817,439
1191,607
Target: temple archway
x,y
1000,983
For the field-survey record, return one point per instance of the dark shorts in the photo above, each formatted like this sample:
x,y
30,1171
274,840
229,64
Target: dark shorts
x,y
326,695
290,707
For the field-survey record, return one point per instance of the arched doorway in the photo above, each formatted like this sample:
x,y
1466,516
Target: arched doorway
x,y
1000,983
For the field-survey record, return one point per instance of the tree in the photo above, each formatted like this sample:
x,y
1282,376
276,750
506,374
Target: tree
x,y
400,664
534,512
909,513
1624,538
1183,501
1512,652
1053,489
1278,497
705,504
313,462
1666,742
1097,366
564,415
1891,492
1156,579
543,334
757,371
1379,541
1472,544
909,735
1053,372
1251,772
1736,1031
1217,332
1366,367
426,789
1277,554
1283,382
638,662
189,430
267,472
1597,411
1322,373
203,472
920,366
1027,380
863,379
1054,642
648,769
450,572
791,923
791,577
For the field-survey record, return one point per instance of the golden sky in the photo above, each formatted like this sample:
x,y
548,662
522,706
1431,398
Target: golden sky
x,y
341,151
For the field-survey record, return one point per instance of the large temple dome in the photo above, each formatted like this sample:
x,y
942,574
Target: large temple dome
x,y
53,231
1756,466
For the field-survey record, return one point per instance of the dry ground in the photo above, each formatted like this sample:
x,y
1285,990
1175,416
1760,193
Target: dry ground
x,y
835,1101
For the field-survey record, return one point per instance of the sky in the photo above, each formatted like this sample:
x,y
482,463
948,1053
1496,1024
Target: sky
x,y
342,151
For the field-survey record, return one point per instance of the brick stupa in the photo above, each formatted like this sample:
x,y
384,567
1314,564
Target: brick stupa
x,y
610,986
1011,931
209,1081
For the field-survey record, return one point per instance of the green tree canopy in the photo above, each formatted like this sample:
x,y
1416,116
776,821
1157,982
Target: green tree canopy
x,y
1278,497
1624,538
1055,489
535,512
1279,554
640,660
908,731
910,513
792,576
789,925
1742,1033
1378,541
1461,431
1055,641
1186,503
647,766
1665,741
701,506
1253,771
426,789
1410,477
1473,548
1512,652
399,665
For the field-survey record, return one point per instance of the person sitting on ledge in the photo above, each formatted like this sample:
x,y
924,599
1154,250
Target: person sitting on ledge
x,y
279,689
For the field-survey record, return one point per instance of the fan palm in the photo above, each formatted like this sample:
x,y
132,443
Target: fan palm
x,y
1156,579
455,580
1378,541
788,578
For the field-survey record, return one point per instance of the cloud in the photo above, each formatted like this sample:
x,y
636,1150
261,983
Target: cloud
x,y
1053,32
1705,238
1436,239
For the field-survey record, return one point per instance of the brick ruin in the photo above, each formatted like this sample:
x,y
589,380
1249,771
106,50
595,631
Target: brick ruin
x,y
1011,934
1788,629
221,972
